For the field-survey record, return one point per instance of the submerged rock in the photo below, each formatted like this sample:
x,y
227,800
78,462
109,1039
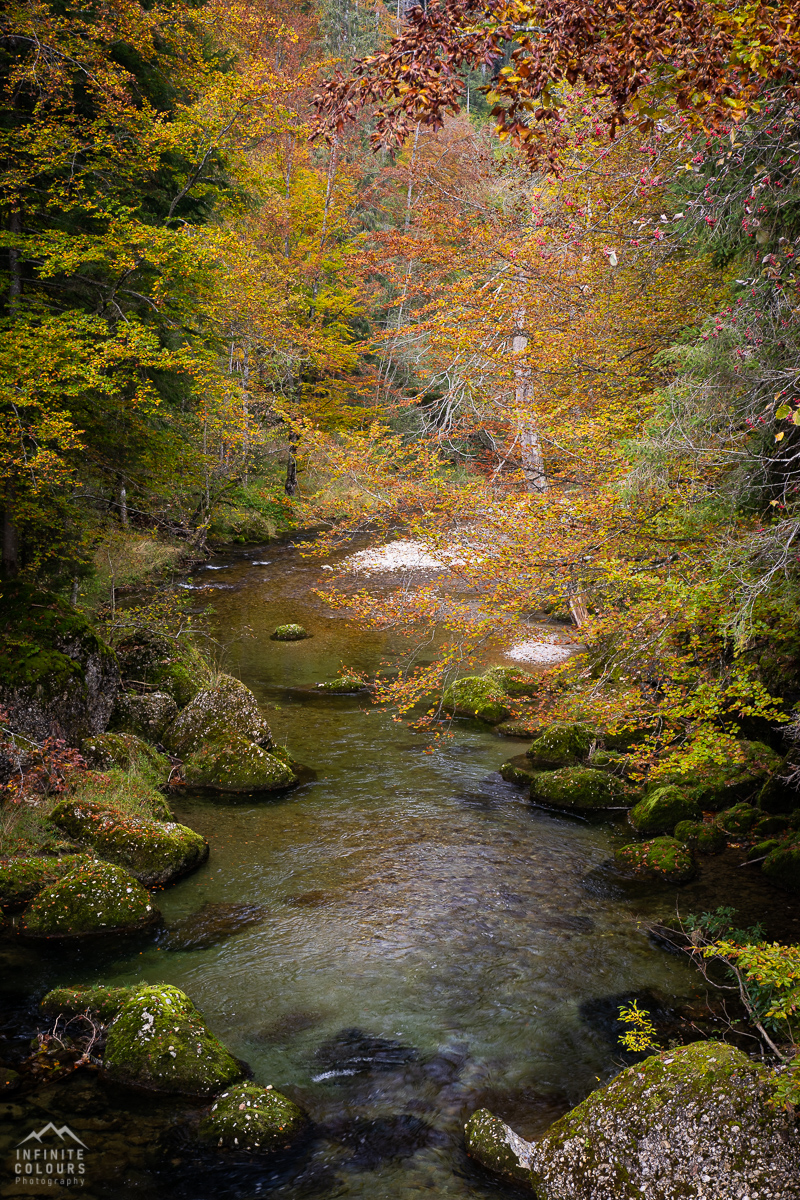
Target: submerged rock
x,y
664,860
159,1042
290,633
146,716
156,852
694,1122
706,837
562,744
127,752
782,865
227,710
234,764
353,1052
477,696
96,898
254,1119
579,789
380,1139
23,878
102,1002
211,924
660,811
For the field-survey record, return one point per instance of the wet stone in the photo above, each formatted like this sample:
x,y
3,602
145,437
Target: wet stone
x,y
354,1052
379,1139
211,924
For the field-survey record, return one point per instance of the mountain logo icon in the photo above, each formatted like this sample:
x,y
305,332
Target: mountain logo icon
x,y
63,1132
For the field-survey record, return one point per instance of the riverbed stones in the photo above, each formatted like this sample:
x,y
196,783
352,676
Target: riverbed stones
x,y
662,860
477,696
579,789
234,764
219,713
213,923
660,811
562,744
706,837
782,865
148,716
101,1002
96,898
290,633
155,852
21,879
254,1119
159,1042
694,1122
128,752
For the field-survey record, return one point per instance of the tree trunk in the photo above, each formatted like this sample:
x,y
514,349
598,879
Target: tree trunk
x,y
530,444
290,487
123,505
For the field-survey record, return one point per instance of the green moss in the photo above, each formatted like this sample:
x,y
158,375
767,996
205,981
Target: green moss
x,y
234,764
125,792
290,633
761,849
23,878
155,852
519,729
34,628
718,785
145,716
96,898
220,712
663,859
661,810
255,1119
102,1002
513,681
562,744
129,753
476,696
770,825
518,770
703,836
495,1146
171,665
782,866
160,1042
739,820
581,789
343,684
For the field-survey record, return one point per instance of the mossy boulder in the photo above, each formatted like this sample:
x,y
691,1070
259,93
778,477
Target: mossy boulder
x,y
663,860
102,1002
126,790
720,785
777,796
147,716
562,744
759,851
519,770
235,764
579,789
477,696
169,665
156,852
521,728
254,1119
513,681
95,898
782,866
769,826
706,837
343,685
159,1042
23,878
694,1123
290,633
660,811
58,679
127,752
739,820
227,710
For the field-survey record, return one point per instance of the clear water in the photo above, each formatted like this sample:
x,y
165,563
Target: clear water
x,y
410,894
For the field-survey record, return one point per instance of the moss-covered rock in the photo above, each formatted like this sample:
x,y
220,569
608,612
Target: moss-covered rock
x,y
96,898
496,1147
477,696
660,811
10,1079
720,785
513,681
227,710
778,796
57,677
770,825
127,752
234,765
254,1119
782,866
23,878
523,728
160,1042
580,789
562,744
124,790
170,665
155,852
694,1123
290,633
519,770
102,1002
343,685
147,716
739,820
760,850
663,860
706,837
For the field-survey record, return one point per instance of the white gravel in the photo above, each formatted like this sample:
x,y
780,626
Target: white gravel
x,y
539,652
401,556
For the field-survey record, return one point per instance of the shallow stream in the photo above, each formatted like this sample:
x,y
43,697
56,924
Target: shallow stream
x,y
409,895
